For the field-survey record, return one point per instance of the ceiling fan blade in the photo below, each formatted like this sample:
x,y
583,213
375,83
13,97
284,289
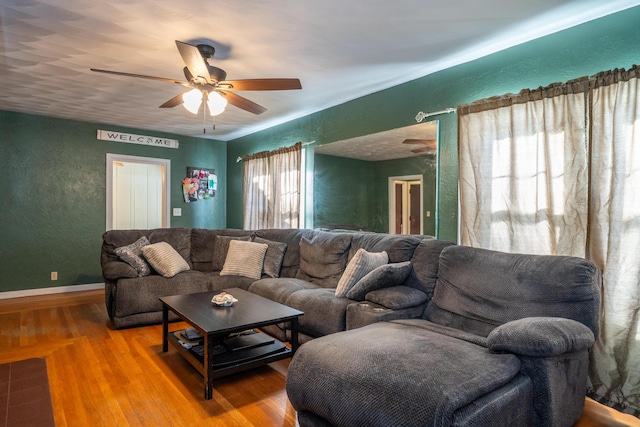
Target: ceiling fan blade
x,y
141,76
419,141
176,100
193,60
243,103
262,84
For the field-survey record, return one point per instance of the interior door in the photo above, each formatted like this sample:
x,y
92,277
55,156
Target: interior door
x,y
415,195
137,192
405,205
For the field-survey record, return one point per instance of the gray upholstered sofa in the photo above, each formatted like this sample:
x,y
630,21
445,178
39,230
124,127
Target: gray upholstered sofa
x,y
504,341
311,265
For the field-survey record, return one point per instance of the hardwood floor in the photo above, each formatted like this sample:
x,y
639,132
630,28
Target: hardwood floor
x,y
104,377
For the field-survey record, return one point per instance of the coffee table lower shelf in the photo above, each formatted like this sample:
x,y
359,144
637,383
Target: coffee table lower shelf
x,y
233,361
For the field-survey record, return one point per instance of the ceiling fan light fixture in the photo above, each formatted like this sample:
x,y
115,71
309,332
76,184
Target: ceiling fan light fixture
x,y
191,100
216,103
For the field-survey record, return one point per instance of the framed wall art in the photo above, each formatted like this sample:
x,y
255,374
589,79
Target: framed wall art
x,y
199,184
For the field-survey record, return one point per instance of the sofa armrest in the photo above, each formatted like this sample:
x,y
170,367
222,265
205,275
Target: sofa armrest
x,y
397,297
114,270
540,337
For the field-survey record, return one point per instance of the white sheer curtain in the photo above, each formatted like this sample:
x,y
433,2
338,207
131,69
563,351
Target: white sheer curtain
x,y
272,188
614,226
523,171
530,182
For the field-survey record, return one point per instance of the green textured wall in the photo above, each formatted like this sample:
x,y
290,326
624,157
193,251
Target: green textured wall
x,y
603,44
53,196
342,193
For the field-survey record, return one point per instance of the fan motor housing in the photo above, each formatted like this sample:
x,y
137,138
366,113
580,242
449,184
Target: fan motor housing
x,y
217,74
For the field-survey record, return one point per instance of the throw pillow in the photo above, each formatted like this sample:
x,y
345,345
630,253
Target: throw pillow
x,y
361,264
382,277
244,259
132,255
273,258
165,259
220,249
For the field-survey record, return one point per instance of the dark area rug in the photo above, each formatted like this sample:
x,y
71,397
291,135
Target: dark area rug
x,y
25,399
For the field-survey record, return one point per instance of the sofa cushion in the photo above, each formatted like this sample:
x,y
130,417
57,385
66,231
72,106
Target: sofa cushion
x,y
328,374
425,265
360,265
244,259
382,277
479,289
220,249
114,270
323,258
164,259
140,295
132,255
399,247
274,257
397,297
323,313
279,289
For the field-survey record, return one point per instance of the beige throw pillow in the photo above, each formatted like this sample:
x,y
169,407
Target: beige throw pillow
x,y
164,259
360,265
244,259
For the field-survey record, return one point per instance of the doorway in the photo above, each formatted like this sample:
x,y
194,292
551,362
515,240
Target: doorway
x,y
405,204
138,192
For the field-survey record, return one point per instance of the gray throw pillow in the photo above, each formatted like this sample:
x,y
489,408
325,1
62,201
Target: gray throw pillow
x,y
382,277
132,255
274,257
361,264
220,249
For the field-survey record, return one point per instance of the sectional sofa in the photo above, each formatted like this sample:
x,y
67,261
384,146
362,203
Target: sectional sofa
x,y
302,269
397,330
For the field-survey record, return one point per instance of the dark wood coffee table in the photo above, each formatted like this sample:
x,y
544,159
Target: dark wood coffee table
x,y
215,323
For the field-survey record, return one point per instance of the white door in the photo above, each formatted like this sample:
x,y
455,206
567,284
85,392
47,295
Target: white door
x,y
138,192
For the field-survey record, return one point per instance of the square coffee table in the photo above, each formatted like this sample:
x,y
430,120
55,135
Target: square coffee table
x,y
216,323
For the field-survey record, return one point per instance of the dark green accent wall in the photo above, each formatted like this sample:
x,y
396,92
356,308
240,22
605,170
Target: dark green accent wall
x,y
603,44
53,196
342,190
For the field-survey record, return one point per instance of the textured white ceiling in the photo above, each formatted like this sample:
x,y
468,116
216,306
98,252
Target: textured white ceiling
x,y
340,50
387,145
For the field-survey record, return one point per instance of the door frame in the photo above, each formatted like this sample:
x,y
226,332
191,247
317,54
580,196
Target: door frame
x,y
392,199
166,163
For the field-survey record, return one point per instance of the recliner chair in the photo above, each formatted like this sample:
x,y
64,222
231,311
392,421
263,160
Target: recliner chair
x,y
504,341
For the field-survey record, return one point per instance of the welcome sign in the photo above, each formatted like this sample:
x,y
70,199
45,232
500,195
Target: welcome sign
x,y
130,138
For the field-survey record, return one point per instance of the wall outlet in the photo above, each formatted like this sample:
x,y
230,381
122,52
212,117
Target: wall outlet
x,y
54,275
177,211
428,214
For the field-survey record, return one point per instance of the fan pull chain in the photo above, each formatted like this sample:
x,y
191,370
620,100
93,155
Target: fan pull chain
x,y
204,119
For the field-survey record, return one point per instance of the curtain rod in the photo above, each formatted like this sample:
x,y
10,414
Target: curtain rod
x,y
420,116
239,159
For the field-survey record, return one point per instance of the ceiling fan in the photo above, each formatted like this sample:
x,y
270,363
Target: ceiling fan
x,y
209,83
429,145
